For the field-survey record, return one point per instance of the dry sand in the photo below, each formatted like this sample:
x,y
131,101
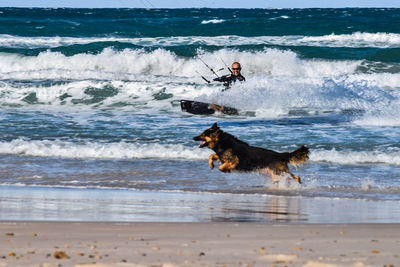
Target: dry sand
x,y
198,244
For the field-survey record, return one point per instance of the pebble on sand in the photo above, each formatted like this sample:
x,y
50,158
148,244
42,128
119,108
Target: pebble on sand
x,y
61,255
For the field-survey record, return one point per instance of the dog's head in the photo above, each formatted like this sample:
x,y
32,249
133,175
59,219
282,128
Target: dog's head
x,y
209,137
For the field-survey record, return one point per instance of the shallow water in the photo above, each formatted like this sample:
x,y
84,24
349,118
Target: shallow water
x,y
56,204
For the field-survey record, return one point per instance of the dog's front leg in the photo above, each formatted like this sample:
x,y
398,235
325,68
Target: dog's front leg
x,y
295,177
211,159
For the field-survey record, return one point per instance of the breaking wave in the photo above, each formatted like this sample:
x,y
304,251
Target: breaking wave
x,y
125,150
391,157
125,64
94,150
278,83
354,40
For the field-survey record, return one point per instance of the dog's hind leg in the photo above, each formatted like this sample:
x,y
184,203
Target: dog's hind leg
x,y
274,177
229,165
211,159
295,177
285,168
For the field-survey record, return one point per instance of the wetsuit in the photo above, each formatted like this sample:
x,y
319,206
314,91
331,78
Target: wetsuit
x,y
229,79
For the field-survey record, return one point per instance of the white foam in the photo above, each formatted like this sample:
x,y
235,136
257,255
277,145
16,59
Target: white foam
x,y
126,64
275,97
213,21
121,150
356,157
109,64
354,40
387,120
278,82
125,150
357,39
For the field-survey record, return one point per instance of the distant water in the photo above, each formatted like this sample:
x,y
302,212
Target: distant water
x,y
89,100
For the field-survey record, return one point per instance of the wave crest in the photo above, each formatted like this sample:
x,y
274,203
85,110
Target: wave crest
x,y
94,150
213,21
356,157
112,64
353,40
124,150
278,82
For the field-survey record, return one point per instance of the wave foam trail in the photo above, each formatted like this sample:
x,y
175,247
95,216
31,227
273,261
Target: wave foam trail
x,y
213,21
120,150
357,39
124,150
354,40
354,157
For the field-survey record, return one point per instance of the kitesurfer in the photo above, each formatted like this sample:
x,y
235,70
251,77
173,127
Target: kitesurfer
x,y
233,77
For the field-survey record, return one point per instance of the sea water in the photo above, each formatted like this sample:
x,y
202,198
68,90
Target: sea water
x,y
91,126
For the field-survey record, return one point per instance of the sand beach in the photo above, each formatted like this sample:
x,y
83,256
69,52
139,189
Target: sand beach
x,y
198,244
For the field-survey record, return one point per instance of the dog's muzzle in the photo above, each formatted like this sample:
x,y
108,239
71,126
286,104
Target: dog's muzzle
x,y
202,142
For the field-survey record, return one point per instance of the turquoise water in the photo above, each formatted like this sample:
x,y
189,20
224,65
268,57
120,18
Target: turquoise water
x,y
89,100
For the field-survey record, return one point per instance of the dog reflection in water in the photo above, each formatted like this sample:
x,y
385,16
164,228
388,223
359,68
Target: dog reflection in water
x,y
236,155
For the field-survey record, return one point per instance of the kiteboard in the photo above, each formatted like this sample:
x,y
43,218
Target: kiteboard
x,y
202,108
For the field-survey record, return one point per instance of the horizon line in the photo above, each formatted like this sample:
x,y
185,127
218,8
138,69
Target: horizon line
x,y
61,7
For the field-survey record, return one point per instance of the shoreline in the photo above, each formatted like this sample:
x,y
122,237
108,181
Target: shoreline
x,y
99,205
197,244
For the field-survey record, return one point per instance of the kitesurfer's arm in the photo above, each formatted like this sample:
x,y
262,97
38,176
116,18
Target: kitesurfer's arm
x,y
241,78
224,78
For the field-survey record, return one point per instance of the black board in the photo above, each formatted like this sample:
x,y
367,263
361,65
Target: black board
x,y
202,108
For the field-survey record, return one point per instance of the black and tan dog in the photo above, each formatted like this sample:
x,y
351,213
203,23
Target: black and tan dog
x,y
235,154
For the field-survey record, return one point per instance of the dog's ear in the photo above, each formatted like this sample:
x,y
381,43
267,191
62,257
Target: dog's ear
x,y
215,126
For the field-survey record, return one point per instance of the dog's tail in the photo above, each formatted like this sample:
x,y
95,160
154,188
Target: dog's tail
x,y
299,156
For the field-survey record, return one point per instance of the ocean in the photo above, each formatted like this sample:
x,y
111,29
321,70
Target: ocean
x,y
91,128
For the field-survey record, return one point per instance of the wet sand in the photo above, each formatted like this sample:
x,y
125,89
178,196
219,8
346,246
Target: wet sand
x,y
198,244
106,205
